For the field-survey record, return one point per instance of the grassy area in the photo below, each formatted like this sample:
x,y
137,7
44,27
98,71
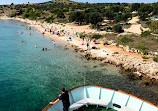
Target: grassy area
x,y
144,43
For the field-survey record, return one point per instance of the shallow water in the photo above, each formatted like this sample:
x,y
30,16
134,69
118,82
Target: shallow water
x,y
30,77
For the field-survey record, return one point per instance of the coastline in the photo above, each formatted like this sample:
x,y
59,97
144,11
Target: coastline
x,y
110,54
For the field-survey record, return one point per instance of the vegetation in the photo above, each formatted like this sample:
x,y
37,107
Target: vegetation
x,y
126,40
106,43
155,59
83,35
144,57
146,33
31,14
154,27
118,28
114,15
49,19
96,36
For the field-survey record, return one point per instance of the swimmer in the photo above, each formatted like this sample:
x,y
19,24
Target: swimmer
x,y
35,46
65,47
54,42
22,41
43,49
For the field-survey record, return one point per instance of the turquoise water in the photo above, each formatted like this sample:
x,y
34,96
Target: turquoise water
x,y
30,77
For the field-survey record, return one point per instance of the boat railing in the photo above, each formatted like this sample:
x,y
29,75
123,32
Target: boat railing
x,y
100,93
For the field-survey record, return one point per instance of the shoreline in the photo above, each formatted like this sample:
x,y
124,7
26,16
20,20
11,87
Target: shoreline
x,y
139,68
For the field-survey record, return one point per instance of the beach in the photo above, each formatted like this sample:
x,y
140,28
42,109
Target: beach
x,y
30,77
119,56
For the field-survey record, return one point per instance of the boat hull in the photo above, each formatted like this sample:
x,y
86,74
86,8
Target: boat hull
x,y
103,96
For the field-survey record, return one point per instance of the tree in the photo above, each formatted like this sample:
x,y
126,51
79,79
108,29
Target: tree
x,y
77,17
145,8
123,17
109,14
11,4
49,19
55,10
25,15
118,28
155,10
31,14
95,18
134,6
143,15
154,26
60,14
20,12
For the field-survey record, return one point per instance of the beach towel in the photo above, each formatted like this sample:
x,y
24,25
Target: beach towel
x,y
97,43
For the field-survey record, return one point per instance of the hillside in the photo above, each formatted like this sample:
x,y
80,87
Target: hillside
x,y
107,17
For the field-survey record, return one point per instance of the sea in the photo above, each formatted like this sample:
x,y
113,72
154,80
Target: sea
x,y
30,77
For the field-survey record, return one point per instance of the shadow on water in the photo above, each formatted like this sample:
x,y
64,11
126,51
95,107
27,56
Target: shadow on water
x,y
135,87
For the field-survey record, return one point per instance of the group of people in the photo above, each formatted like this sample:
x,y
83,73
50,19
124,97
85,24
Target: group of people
x,y
27,28
44,49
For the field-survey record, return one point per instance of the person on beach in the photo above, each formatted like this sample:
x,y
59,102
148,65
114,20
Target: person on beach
x,y
53,32
50,31
65,100
87,45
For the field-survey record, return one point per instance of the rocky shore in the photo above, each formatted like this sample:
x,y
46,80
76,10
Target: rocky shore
x,y
139,68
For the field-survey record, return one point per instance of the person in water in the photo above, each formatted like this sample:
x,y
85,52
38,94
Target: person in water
x,y
65,99
65,47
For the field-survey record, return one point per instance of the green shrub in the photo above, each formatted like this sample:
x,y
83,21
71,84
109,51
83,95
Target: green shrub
x,y
141,47
126,40
106,43
145,52
96,36
31,14
118,28
155,59
49,19
145,33
144,57
82,35
148,23
55,10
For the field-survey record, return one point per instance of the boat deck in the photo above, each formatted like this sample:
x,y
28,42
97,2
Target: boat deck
x,y
84,96
94,108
